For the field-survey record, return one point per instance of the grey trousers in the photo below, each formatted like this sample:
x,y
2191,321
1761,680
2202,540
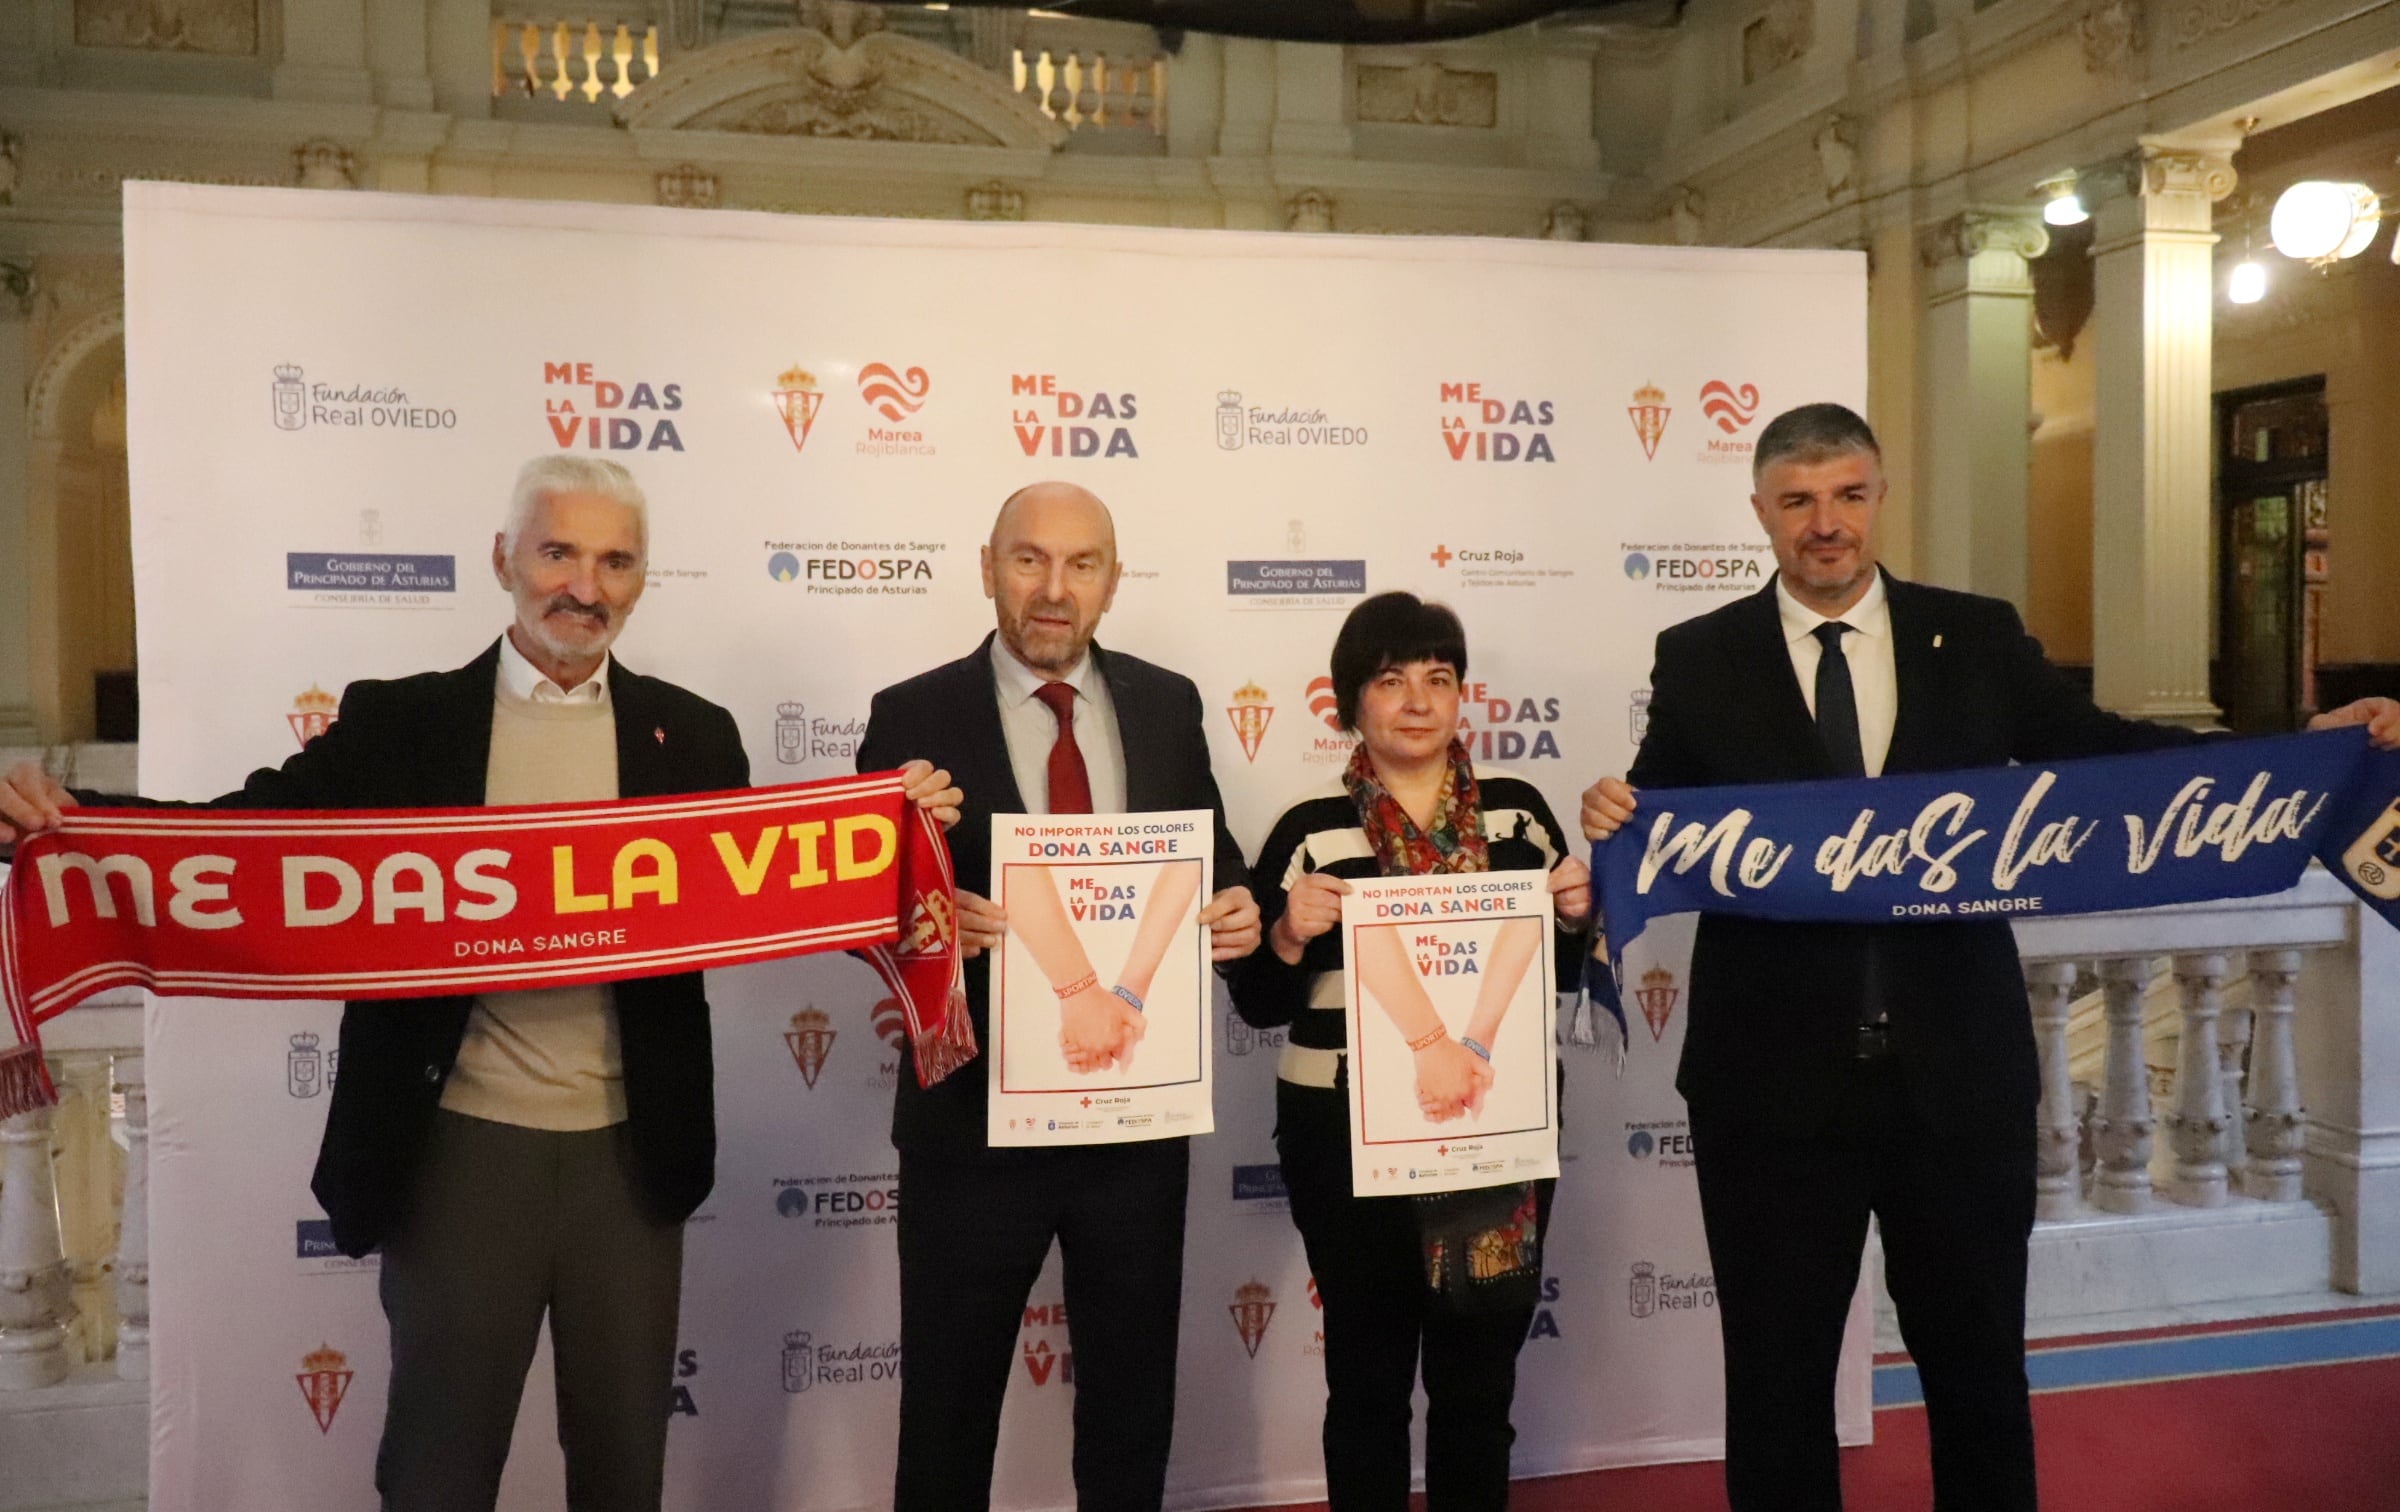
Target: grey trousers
x,y
507,1224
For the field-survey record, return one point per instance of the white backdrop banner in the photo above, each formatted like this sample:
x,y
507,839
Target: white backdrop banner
x,y
329,396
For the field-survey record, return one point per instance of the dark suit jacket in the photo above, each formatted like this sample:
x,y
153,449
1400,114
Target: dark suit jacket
x,y
425,742
1775,1006
950,716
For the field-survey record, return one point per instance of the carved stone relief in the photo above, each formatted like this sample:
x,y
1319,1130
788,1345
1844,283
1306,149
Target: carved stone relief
x,y
1427,94
1837,156
1309,210
1781,35
688,186
324,164
841,75
225,27
995,201
2202,19
2115,35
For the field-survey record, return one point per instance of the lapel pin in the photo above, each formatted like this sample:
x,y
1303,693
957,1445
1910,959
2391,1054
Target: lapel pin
x,y
660,734
1937,642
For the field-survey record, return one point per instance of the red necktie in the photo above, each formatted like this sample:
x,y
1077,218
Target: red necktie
x,y
1070,782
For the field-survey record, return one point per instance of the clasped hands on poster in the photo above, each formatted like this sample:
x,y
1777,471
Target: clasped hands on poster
x,y
1452,1080
1100,1026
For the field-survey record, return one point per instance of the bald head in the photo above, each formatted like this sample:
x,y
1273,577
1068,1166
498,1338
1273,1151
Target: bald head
x,y
1048,508
1050,571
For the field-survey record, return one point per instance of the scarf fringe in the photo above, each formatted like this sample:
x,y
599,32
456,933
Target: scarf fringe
x,y
947,1046
25,1082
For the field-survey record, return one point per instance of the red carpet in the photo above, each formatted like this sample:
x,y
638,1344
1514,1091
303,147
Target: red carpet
x,y
2307,1438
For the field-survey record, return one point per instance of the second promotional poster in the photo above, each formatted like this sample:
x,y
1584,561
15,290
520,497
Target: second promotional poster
x,y
1453,1066
1100,990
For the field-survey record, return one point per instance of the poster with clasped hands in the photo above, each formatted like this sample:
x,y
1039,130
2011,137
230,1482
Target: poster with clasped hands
x,y
1100,987
1445,971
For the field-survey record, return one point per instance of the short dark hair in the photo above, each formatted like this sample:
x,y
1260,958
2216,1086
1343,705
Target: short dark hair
x,y
1391,630
1813,433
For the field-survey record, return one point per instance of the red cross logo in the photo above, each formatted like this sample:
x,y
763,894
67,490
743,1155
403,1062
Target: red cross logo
x,y
1087,1102
1442,555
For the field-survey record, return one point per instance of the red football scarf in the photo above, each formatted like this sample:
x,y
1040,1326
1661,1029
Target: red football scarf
x,y
433,902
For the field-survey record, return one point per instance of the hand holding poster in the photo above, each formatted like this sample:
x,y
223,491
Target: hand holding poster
x,y
1453,1059
1100,990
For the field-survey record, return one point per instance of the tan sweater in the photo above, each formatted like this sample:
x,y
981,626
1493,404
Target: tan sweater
x,y
547,1059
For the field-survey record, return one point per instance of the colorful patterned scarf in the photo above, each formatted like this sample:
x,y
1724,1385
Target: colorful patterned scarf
x,y
1453,843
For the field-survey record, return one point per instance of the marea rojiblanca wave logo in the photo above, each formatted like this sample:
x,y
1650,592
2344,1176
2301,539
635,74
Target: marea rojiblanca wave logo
x,y
1649,413
891,394
313,713
1493,427
896,397
811,1040
1732,409
1332,748
1052,419
325,1376
592,412
1500,727
1253,1308
1250,713
2373,859
294,403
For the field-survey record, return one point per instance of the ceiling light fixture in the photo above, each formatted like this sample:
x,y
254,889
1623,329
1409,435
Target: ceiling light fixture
x,y
2319,221
2061,205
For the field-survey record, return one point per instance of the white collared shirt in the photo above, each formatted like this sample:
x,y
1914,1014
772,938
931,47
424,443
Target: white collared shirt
x,y
522,680
1874,676
1031,730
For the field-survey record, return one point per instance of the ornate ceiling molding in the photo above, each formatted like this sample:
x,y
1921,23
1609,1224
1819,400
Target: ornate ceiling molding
x,y
842,77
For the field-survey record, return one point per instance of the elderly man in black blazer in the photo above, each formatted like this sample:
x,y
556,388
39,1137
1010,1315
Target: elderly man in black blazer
x,y
1838,1070
1039,719
519,1153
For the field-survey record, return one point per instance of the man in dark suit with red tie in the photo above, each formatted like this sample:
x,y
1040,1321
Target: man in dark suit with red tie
x,y
1039,719
1838,1070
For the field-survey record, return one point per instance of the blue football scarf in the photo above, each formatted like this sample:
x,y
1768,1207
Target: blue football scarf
x,y
2227,819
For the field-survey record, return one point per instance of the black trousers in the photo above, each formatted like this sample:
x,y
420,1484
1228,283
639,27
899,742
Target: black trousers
x,y
1787,1225
1379,1324
506,1225
973,1235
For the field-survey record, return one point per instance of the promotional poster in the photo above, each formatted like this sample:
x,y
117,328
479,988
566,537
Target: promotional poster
x,y
1453,1062
1100,989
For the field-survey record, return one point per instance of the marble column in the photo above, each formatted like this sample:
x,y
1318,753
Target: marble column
x,y
2122,1127
1976,385
2058,1173
17,724
36,1291
2196,1127
133,1226
2272,1118
2153,435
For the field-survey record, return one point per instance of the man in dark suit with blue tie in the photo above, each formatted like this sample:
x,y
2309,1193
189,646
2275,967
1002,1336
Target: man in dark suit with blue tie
x,y
1838,1070
1039,719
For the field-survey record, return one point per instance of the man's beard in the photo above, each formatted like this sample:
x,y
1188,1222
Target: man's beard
x,y
599,628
